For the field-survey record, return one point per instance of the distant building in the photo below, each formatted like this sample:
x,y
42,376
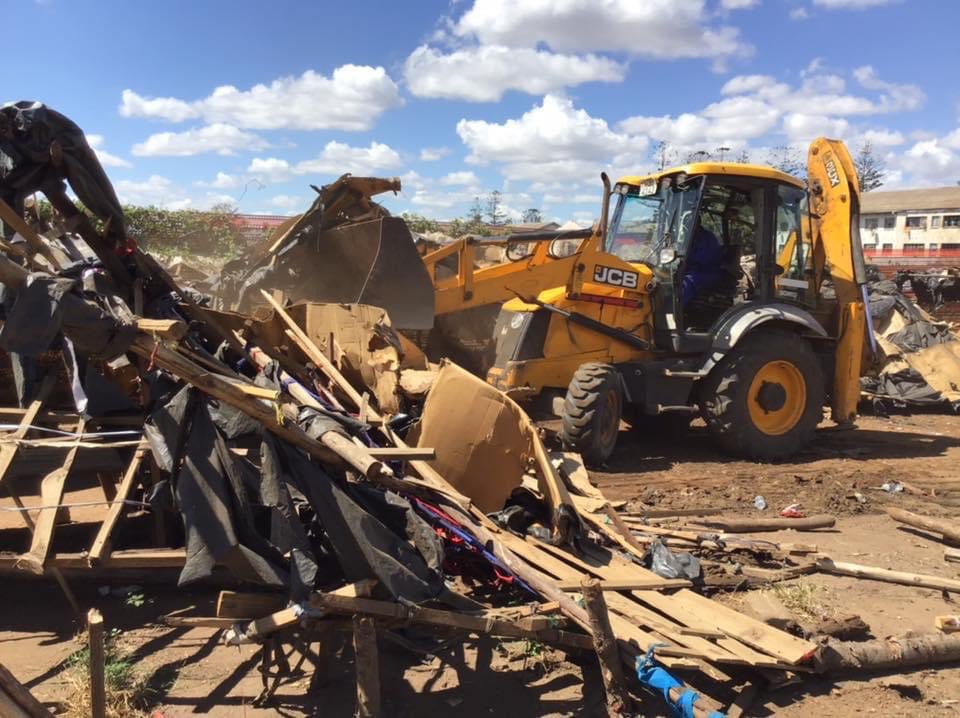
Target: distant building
x,y
255,227
913,227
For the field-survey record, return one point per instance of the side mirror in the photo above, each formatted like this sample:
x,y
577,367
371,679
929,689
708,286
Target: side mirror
x,y
667,255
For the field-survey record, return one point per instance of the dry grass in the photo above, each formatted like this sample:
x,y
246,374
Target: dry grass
x,y
127,689
800,598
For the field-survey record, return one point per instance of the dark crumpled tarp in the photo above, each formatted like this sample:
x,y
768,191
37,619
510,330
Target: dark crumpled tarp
x,y
46,306
902,388
28,130
190,437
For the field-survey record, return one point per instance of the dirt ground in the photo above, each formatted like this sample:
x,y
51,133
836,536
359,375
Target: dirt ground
x,y
191,673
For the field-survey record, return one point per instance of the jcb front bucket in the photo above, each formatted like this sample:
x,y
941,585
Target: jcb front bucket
x,y
373,262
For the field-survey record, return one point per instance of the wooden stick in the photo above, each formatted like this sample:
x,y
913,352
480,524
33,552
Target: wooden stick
x,y
172,329
24,699
951,554
618,699
882,574
308,347
51,494
624,530
8,452
756,525
629,584
367,666
98,689
101,544
948,529
19,224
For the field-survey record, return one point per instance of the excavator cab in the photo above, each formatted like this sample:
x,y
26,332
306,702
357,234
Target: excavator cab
x,y
728,291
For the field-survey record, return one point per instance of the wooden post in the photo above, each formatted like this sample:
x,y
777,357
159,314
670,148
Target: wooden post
x,y
368,667
98,688
882,574
948,529
618,700
22,699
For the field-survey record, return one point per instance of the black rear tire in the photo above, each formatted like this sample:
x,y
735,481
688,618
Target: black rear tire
x,y
753,418
592,410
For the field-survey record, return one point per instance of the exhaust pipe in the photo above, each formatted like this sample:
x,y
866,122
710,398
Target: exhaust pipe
x,y
605,212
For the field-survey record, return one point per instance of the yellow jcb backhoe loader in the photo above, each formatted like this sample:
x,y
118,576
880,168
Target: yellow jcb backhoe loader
x,y
731,291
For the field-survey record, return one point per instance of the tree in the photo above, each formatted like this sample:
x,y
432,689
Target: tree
x,y
698,156
743,158
786,158
475,213
664,154
495,214
870,169
419,223
532,216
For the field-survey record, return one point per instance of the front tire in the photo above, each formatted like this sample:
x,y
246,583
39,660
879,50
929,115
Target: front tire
x,y
591,414
765,398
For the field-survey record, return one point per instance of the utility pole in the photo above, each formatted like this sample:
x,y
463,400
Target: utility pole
x,y
722,151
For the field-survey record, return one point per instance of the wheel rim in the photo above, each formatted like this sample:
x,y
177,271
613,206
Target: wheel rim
x,y
610,418
777,397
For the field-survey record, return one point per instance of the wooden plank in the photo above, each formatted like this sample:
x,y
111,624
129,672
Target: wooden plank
x,y
882,574
24,699
101,544
51,494
951,554
279,620
8,452
20,226
627,584
241,605
367,664
407,453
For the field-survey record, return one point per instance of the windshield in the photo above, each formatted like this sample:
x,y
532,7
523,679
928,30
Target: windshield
x,y
643,225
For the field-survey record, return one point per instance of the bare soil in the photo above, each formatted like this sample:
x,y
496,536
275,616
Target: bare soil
x,y
192,673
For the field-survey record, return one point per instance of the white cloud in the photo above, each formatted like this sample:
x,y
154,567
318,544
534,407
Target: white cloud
x,y
851,4
929,163
106,158
484,73
287,202
882,138
553,139
460,178
738,4
432,154
156,191
219,137
350,99
799,13
742,84
222,181
664,29
336,158
895,96
803,127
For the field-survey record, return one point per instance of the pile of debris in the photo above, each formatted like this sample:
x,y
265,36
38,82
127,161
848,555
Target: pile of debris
x,y
918,357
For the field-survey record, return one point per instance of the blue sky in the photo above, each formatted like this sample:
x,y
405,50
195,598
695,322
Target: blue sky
x,y
192,103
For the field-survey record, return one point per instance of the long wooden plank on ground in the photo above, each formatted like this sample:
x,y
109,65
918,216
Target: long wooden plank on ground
x,y
8,452
101,544
51,495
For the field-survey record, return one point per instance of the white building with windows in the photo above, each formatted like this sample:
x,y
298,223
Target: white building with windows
x,y
911,222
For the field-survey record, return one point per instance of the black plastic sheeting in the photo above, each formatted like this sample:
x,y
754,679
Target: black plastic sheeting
x,y
307,511
28,130
907,387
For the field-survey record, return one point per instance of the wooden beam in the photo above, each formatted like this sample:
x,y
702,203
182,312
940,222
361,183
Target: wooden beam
x,y
951,554
618,699
744,526
100,548
628,584
24,699
367,662
882,574
485,624
171,329
98,689
8,452
948,529
237,605
20,226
